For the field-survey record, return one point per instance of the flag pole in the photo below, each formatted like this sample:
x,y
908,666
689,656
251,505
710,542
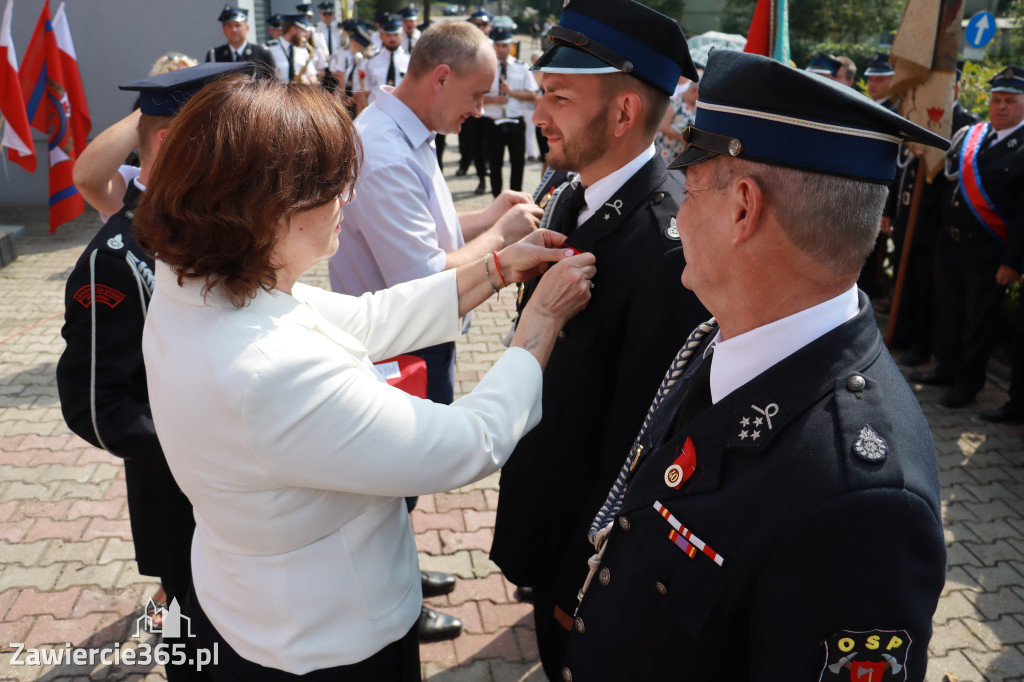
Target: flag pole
x,y
908,241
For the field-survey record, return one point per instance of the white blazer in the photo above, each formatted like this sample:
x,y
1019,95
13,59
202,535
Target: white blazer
x,y
296,456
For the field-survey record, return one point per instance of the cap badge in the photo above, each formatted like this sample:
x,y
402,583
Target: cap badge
x,y
116,242
735,147
671,231
869,446
1008,73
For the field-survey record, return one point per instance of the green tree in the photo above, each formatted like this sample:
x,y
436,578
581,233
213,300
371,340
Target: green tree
x,y
820,21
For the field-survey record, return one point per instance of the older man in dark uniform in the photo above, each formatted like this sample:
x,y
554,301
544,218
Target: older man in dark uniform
x,y
778,516
100,376
235,24
600,111
980,243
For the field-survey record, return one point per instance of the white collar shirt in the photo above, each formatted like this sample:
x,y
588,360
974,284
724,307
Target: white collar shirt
x,y
402,221
377,71
738,360
601,191
518,77
1005,133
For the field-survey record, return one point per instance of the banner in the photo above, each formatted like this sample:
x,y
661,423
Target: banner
x,y
44,86
769,30
17,134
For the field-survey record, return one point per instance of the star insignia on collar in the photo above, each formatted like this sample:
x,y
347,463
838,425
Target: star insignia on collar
x,y
742,435
607,216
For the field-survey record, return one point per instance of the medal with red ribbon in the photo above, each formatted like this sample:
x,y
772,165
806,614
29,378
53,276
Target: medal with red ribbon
x,y
683,466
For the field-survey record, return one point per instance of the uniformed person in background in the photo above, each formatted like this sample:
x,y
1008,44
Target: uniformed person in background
x,y
879,77
298,62
273,45
389,65
778,516
825,65
235,24
347,66
600,111
471,138
914,329
504,126
410,32
101,379
979,246
332,36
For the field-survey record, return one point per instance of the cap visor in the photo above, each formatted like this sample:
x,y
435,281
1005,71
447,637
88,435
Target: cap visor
x,y
691,157
564,59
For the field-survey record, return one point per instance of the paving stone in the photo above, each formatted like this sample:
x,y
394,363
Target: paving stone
x,y
1004,665
956,605
104,576
471,500
33,603
22,553
477,671
954,634
451,520
429,542
993,578
454,542
991,605
475,520
502,644
993,552
510,671
492,589
64,530
105,528
458,564
60,551
997,633
18,490
38,577
482,564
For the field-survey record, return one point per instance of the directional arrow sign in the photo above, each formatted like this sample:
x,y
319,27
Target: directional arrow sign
x,y
980,29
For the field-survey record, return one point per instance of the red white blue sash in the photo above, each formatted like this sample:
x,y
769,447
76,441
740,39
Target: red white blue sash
x,y
970,181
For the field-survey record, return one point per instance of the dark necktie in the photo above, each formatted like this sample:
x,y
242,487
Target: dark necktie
x,y
408,42
330,40
573,204
990,138
391,70
234,56
697,398
504,72
291,65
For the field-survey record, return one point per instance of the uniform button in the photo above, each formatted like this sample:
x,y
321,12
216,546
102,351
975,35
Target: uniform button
x,y
659,197
623,523
129,214
562,334
579,626
566,675
856,383
660,589
604,576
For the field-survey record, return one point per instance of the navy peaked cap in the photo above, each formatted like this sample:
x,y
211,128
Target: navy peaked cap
x,y
392,23
501,35
304,7
480,15
166,93
326,6
879,66
361,35
230,13
610,36
1010,79
825,64
755,108
299,20
274,21
410,12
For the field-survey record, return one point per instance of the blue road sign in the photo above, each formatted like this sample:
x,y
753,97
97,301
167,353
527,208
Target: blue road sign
x,y
980,29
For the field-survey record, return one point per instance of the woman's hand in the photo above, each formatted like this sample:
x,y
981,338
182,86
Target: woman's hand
x,y
565,289
530,256
561,293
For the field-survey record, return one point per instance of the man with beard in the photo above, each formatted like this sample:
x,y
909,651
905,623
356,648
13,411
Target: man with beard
x,y
600,112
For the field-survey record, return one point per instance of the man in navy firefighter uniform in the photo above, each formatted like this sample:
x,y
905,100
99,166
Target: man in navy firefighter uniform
x,y
100,376
778,516
979,246
600,111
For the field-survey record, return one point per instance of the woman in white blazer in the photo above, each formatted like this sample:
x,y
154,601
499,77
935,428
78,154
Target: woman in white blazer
x,y
293,450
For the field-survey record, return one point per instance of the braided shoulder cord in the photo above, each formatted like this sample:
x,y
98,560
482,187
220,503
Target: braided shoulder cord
x,y
613,503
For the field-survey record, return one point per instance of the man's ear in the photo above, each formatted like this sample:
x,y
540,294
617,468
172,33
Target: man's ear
x,y
442,74
629,108
746,207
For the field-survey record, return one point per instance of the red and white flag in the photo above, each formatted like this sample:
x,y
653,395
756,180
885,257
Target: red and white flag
x,y
49,94
17,134
81,122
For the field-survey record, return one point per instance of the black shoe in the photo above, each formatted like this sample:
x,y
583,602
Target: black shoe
x,y
462,171
524,595
1009,413
958,396
481,188
435,626
932,377
435,584
912,359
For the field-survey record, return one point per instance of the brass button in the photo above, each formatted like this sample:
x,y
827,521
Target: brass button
x,y
604,576
579,626
566,675
129,214
659,197
660,589
856,383
623,523
562,334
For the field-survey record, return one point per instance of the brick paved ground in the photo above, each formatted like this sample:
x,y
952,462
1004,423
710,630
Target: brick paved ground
x,y
66,568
